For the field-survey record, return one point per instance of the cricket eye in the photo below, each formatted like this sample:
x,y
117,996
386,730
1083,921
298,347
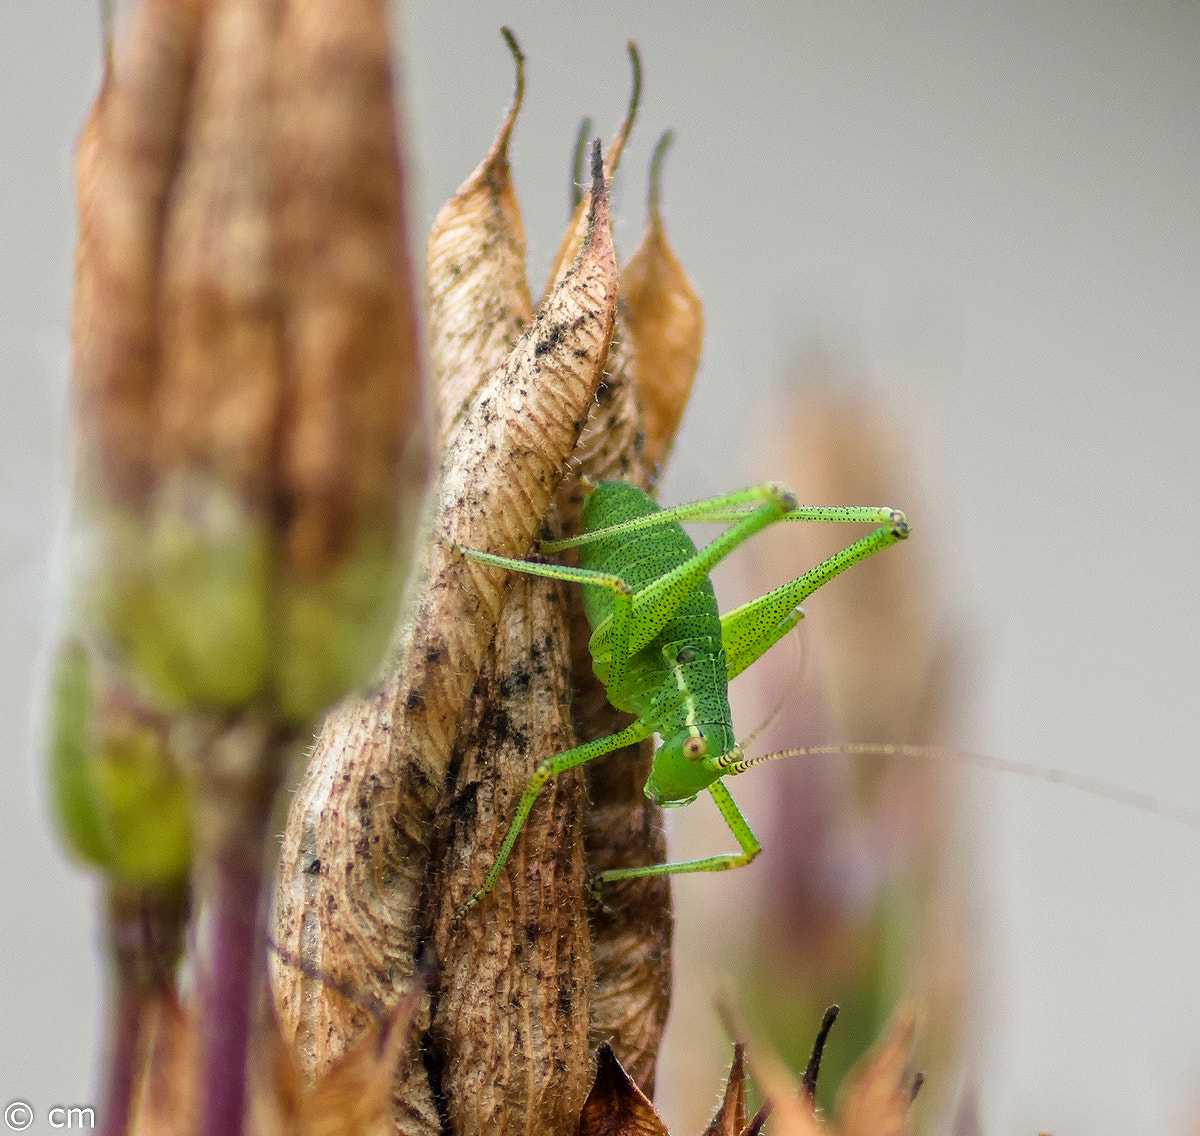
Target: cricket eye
x,y
695,748
687,655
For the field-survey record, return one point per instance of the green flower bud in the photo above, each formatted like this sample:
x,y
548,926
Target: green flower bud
x,y
120,801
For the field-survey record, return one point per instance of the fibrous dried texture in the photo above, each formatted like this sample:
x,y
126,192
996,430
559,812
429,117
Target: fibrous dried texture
x,y
510,1020
477,288
358,838
124,168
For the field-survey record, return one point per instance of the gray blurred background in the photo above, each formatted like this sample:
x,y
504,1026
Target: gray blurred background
x,y
989,215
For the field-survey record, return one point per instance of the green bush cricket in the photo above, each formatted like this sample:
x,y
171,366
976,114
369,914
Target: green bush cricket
x,y
663,651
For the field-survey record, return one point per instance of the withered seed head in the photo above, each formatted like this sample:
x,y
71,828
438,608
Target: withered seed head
x,y
248,396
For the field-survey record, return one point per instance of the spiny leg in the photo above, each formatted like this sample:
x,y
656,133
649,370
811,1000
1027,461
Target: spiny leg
x,y
619,621
549,768
654,604
726,509
750,847
748,631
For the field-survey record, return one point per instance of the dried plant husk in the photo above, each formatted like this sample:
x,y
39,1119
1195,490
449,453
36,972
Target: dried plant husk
x,y
477,286
245,364
615,1106
730,1117
510,1017
353,876
248,413
578,226
666,323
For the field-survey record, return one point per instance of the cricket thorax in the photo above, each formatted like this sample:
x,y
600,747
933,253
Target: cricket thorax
x,y
696,726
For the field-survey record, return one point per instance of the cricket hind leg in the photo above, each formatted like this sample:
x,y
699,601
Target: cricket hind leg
x,y
739,826
748,511
749,631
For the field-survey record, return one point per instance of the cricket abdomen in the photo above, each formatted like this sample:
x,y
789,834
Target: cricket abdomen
x,y
679,679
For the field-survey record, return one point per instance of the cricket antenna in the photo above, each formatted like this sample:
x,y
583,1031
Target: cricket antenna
x,y
1131,798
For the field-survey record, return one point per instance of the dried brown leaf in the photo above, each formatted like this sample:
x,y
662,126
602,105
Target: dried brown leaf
x,y
511,1019
356,847
353,416
666,322
511,1010
730,1118
217,385
476,280
616,1106
124,170
515,978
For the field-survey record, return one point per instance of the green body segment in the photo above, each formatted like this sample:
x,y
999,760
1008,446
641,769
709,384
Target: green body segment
x,y
662,650
678,680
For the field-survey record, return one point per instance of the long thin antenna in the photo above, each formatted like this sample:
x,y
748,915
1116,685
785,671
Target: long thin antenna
x,y
1132,798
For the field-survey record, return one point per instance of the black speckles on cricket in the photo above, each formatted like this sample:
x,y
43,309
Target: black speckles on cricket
x,y
414,701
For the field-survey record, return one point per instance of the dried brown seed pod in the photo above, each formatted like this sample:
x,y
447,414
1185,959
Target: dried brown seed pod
x,y
355,865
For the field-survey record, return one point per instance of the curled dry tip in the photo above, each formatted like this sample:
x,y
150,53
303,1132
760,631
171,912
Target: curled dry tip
x,y
635,98
581,140
518,58
519,93
660,152
809,1084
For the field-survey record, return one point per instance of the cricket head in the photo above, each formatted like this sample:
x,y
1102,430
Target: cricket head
x,y
690,760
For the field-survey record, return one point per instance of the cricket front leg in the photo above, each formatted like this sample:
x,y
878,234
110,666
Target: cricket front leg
x,y
549,768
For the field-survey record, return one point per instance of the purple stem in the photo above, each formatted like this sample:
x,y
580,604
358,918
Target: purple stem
x,y
145,943
233,968
125,1018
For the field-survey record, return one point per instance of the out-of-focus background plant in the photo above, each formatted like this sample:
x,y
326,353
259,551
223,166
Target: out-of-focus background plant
x,y
985,221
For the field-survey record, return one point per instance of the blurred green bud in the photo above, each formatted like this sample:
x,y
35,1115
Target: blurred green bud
x,y
120,801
